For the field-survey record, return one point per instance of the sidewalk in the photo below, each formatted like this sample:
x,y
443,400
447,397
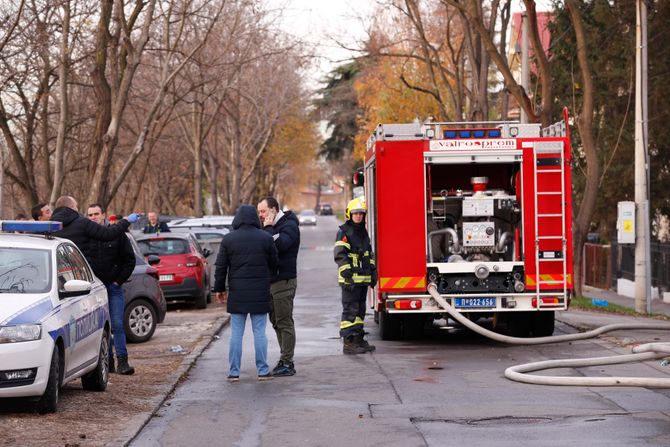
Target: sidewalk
x,y
657,306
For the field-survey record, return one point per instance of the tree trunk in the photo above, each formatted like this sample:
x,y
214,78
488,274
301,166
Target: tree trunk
x,y
585,126
64,115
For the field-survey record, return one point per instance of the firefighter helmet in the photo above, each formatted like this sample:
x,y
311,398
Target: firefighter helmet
x,y
356,206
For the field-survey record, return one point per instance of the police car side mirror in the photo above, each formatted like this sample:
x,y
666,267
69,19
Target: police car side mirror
x,y
153,260
74,287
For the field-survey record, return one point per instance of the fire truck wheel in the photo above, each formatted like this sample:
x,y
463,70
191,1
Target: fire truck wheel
x,y
542,324
389,326
412,326
519,324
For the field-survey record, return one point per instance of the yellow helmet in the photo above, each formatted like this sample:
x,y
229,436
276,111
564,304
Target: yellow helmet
x,y
356,205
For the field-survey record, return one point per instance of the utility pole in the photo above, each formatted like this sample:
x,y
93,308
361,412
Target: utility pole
x,y
642,243
525,70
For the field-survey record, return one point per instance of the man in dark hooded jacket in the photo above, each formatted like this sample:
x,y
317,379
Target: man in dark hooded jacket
x,y
248,259
85,233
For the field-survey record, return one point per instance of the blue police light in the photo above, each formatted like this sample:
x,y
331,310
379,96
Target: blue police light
x,y
31,227
494,133
449,134
464,134
479,133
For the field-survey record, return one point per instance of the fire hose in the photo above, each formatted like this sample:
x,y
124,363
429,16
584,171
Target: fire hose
x,y
519,373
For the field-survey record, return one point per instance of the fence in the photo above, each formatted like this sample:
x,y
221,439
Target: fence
x,y
603,264
597,265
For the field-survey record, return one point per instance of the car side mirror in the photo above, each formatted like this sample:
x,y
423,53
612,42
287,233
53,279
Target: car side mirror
x,y
74,287
153,260
206,252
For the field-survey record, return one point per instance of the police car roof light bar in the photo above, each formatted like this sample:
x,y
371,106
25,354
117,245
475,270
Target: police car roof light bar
x,y
36,227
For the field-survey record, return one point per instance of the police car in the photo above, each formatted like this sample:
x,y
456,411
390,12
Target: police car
x,y
54,318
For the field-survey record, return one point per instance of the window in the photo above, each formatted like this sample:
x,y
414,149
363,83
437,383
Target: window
x,y
71,265
163,246
81,269
25,270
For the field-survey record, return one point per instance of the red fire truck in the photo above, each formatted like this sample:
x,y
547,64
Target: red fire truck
x,y
482,210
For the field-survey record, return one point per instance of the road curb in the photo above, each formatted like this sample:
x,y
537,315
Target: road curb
x,y
140,421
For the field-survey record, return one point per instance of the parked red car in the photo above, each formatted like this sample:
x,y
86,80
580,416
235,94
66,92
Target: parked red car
x,y
183,269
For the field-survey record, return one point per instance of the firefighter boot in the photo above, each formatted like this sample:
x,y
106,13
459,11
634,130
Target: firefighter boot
x,y
362,342
351,346
123,367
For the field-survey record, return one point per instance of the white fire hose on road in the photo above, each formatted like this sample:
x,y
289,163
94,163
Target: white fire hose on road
x,y
518,373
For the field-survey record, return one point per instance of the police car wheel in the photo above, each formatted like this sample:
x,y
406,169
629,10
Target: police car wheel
x,y
96,380
49,400
139,321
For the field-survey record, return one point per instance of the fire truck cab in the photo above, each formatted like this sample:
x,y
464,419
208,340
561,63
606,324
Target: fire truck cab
x,y
482,210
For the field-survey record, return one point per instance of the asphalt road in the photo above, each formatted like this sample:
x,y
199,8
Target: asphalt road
x,y
447,388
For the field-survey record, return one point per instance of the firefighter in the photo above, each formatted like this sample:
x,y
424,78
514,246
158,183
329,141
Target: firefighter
x,y
357,271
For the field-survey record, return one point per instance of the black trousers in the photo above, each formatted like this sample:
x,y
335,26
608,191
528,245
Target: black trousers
x,y
353,310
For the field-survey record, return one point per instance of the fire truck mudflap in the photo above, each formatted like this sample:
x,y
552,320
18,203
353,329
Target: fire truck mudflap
x,y
483,210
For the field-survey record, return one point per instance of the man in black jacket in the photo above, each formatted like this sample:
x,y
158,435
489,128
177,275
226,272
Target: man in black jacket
x,y
248,259
113,263
283,226
83,232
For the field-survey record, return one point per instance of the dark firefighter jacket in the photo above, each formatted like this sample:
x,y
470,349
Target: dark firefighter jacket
x,y
353,255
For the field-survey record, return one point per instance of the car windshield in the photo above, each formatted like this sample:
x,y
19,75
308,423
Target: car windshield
x,y
163,246
307,213
24,270
208,236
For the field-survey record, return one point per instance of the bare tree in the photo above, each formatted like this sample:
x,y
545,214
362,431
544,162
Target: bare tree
x,y
172,64
64,115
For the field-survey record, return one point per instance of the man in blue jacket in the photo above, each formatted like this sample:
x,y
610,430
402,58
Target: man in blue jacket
x,y
248,259
283,226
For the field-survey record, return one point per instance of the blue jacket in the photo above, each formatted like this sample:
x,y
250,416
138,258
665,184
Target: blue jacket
x,y
248,259
287,240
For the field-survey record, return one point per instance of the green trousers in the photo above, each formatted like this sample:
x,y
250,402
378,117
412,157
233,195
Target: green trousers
x,y
281,316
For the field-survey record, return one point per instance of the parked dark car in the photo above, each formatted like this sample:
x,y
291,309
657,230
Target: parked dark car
x,y
325,209
183,268
145,305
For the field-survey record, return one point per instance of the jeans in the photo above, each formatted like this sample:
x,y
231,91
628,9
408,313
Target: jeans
x,y
116,310
258,323
281,316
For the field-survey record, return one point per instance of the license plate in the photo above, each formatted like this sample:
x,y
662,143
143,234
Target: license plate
x,y
475,302
166,277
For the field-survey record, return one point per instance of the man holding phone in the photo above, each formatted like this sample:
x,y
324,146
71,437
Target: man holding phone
x,y
283,227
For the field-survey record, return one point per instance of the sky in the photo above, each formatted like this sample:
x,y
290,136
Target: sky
x,y
323,23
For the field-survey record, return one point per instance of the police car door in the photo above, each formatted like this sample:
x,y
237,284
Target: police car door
x,y
80,311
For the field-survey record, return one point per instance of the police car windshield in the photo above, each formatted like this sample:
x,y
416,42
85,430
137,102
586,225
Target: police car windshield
x,y
24,270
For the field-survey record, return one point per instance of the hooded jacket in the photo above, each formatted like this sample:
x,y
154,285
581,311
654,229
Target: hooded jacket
x,y
286,234
86,234
247,259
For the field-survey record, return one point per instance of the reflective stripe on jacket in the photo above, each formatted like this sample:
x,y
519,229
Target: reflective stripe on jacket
x,y
353,255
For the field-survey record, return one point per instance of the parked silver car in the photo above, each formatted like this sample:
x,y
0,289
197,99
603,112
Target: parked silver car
x,y
145,303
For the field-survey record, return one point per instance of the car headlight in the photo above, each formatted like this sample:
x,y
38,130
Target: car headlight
x,y
20,332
